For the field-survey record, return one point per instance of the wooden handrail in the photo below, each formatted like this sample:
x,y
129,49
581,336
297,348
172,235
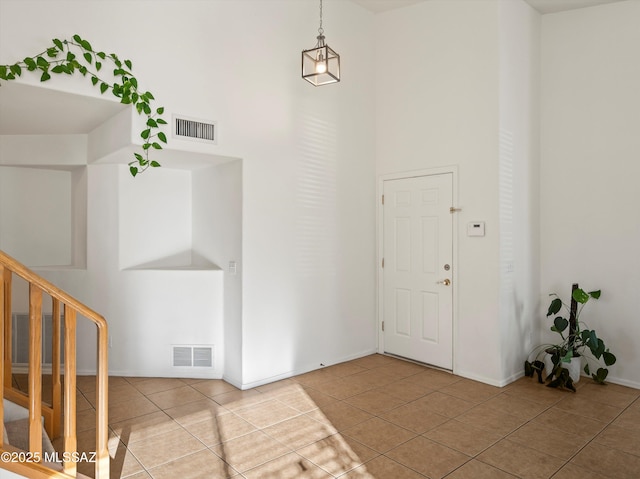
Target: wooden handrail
x,y
62,405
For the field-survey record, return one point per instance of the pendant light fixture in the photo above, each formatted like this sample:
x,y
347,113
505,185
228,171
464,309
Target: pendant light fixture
x,y
320,65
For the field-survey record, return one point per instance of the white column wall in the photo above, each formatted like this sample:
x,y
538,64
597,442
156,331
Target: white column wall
x,y
519,184
437,104
590,227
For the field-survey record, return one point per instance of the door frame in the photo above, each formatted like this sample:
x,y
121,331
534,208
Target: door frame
x,y
453,170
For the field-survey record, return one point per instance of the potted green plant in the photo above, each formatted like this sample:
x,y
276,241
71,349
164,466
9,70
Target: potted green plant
x,y
577,343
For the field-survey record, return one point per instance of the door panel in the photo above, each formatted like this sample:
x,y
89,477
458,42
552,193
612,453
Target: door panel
x,y
417,244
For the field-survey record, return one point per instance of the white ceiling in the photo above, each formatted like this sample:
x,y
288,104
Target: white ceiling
x,y
543,6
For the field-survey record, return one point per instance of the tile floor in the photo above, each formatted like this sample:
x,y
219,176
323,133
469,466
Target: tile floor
x,y
374,417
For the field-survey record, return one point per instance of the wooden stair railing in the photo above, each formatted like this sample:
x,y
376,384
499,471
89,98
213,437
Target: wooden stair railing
x,y
60,415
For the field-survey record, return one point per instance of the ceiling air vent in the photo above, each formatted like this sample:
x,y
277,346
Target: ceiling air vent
x,y
193,356
197,130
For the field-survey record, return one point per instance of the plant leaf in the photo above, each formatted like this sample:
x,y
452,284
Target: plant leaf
x,y
595,294
152,123
162,137
145,133
160,110
128,64
45,76
133,170
155,164
580,295
560,324
103,87
94,80
609,358
554,307
160,121
156,145
87,56
58,44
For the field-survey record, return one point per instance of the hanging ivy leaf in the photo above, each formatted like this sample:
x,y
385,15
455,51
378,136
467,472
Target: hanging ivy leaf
x,y
80,56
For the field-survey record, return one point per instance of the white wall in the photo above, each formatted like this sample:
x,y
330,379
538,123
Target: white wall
x,y
217,235
519,184
437,104
308,173
590,227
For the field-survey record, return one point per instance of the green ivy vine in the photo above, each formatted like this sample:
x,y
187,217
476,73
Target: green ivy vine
x,y
60,58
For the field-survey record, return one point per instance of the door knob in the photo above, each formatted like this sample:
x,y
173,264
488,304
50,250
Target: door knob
x,y
446,282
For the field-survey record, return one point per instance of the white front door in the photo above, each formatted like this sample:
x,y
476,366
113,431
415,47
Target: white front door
x,y
418,267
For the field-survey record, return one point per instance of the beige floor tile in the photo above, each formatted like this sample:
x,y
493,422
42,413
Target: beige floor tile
x,y
611,394
432,379
340,415
345,369
299,399
249,451
318,397
516,406
581,404
156,385
374,361
139,475
475,469
415,416
571,471
219,429
468,439
131,409
561,420
620,438
196,411
201,465
378,434
404,390
521,461
401,369
213,387
382,467
472,391
560,444
372,379
266,413
144,427
491,420
290,466
337,454
122,392
175,397
531,390
427,457
85,420
343,388
608,462
315,378
629,419
299,431
278,388
238,399
375,402
124,463
444,404
165,447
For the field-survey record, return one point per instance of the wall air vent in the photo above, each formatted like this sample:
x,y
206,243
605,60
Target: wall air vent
x,y
193,356
196,130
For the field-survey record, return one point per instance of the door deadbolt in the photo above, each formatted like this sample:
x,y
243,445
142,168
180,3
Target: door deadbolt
x,y
447,267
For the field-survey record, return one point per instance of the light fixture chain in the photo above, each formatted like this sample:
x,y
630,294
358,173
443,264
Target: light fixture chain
x,y
321,30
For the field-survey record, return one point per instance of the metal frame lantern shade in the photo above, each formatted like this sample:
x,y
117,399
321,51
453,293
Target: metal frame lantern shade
x,y
321,64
